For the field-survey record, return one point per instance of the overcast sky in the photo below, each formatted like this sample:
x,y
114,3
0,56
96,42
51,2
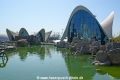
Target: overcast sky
x,y
33,15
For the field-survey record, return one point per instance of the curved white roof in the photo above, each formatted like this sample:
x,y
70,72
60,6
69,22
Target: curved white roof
x,y
21,31
107,24
47,34
11,34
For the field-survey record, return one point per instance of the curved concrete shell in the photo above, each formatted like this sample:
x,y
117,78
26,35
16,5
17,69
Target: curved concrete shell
x,y
82,8
23,32
47,34
11,34
41,35
107,24
4,37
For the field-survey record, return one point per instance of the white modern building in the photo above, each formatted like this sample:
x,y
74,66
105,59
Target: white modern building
x,y
83,24
23,33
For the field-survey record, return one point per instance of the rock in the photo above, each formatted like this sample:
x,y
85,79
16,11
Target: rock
x,y
94,50
101,56
91,41
32,40
61,44
96,64
85,46
114,56
74,44
67,45
79,45
96,43
22,43
85,49
108,46
103,47
95,47
78,52
74,48
105,63
75,40
115,45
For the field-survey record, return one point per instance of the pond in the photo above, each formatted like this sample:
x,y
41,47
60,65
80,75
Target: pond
x,y
47,62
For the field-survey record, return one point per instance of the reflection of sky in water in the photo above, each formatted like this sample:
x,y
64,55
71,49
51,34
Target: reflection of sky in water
x,y
46,60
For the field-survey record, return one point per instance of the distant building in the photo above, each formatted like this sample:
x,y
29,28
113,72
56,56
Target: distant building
x,y
23,34
83,24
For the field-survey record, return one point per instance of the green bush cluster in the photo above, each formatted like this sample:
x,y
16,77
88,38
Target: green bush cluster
x,y
116,39
22,43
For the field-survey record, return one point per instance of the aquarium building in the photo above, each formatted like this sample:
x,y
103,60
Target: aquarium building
x,y
83,24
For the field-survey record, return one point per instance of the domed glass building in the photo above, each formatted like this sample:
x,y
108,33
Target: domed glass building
x,y
83,24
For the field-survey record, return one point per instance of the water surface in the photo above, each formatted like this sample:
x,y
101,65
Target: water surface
x,y
35,62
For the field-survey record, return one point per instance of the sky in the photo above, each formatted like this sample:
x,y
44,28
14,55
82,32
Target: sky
x,y
33,15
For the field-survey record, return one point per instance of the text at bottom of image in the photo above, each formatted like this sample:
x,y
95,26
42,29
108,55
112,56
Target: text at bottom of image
x,y
59,78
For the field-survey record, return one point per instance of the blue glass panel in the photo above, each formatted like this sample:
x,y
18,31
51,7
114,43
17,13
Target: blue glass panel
x,y
24,33
40,37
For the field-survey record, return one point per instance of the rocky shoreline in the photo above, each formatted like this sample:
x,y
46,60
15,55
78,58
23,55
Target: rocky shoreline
x,y
108,54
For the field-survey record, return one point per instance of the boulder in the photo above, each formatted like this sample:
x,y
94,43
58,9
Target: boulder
x,y
114,56
96,43
83,46
22,43
94,49
108,46
32,40
61,44
74,44
78,52
115,45
85,49
75,40
67,45
103,47
91,41
101,63
74,48
79,45
101,56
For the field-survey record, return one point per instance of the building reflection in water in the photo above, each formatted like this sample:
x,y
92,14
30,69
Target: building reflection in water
x,y
81,66
41,51
76,66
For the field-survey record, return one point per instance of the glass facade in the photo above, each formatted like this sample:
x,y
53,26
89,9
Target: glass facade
x,y
83,25
24,33
40,37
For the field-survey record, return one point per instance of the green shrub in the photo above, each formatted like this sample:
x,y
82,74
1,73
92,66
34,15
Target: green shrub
x,y
22,43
